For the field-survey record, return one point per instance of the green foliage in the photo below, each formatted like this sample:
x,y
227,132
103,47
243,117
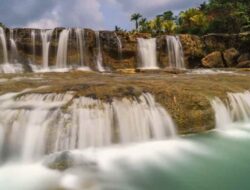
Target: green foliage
x,y
2,25
193,21
228,16
135,17
216,16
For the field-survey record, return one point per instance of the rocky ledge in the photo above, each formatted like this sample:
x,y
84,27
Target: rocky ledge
x,y
186,96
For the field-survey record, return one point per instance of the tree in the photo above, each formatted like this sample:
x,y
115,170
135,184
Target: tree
x,y
228,16
135,17
144,25
168,15
118,29
169,27
2,25
193,21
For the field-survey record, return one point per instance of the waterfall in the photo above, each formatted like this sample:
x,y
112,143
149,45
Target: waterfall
x,y
175,52
119,42
235,109
99,59
62,52
4,45
33,38
81,44
14,52
147,53
38,124
46,38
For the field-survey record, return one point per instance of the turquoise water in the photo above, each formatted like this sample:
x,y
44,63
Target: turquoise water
x,y
210,161
218,161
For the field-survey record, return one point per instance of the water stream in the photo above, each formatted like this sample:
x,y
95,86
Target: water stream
x,y
82,145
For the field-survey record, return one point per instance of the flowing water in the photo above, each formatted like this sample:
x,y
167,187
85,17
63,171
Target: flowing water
x,y
99,58
46,37
13,46
147,53
102,133
52,141
33,38
65,41
119,42
4,45
62,52
175,52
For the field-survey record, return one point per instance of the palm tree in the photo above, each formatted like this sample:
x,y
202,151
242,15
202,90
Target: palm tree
x,y
135,17
143,23
168,15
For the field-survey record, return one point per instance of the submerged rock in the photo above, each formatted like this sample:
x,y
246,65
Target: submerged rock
x,y
66,160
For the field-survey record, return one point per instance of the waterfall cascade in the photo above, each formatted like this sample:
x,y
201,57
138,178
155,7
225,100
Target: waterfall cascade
x,y
80,42
147,53
175,52
46,37
119,42
14,51
76,52
32,125
62,52
4,45
236,109
33,38
99,58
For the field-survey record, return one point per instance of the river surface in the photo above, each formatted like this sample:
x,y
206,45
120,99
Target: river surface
x,y
213,160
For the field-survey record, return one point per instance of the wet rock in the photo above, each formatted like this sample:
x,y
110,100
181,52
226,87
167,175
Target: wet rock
x,y
230,57
244,64
66,160
213,60
244,57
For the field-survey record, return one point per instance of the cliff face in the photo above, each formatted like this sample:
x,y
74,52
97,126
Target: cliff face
x,y
120,50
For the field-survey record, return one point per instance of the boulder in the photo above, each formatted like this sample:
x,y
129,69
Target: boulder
x,y
230,56
244,57
194,50
244,64
213,60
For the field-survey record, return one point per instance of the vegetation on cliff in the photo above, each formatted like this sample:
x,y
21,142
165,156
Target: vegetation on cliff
x,y
216,16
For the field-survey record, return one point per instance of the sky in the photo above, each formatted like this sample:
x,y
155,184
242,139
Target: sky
x,y
95,14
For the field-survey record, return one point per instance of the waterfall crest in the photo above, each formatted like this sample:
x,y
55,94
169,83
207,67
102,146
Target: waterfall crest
x,y
38,124
175,52
147,53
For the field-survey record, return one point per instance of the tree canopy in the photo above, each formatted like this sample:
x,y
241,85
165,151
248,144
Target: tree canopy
x,y
216,16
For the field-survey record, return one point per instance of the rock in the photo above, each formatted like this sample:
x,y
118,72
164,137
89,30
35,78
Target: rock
x,y
244,57
213,60
230,57
221,42
244,64
65,160
194,50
